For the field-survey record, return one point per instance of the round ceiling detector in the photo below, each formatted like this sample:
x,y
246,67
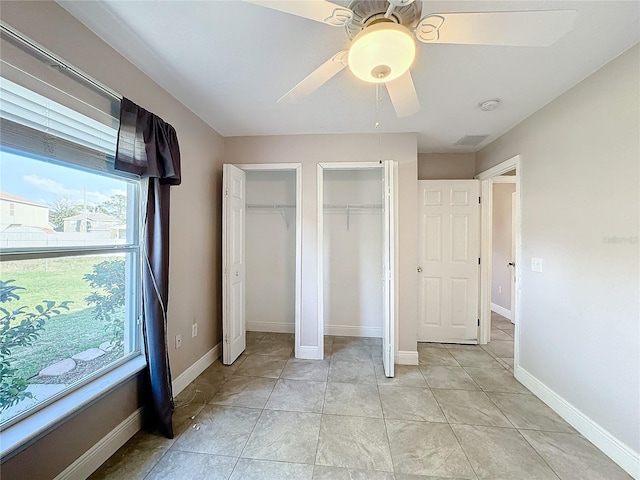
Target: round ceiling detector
x,y
382,52
489,105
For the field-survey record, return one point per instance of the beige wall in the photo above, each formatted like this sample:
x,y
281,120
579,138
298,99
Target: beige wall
x,y
313,149
579,329
194,293
501,273
52,453
446,166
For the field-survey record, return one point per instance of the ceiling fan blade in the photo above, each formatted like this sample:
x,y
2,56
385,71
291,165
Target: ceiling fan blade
x,y
317,78
320,11
536,28
403,95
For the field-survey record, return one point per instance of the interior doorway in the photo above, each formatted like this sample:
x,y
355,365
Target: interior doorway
x,y
262,250
356,252
489,178
503,245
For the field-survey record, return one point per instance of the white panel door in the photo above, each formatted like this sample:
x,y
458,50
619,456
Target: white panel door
x,y
448,265
233,265
388,269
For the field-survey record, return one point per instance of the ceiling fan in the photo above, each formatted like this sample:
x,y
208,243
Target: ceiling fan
x,y
383,47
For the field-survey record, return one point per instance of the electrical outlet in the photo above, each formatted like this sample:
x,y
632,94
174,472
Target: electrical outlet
x,y
194,330
178,341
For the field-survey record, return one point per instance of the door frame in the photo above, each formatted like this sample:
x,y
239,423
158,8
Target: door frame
x,y
320,239
297,168
487,178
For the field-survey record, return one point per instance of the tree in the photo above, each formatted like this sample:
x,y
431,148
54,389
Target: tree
x,y
60,209
108,280
19,328
116,206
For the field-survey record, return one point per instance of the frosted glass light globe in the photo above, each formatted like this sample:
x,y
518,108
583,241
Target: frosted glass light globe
x,y
382,52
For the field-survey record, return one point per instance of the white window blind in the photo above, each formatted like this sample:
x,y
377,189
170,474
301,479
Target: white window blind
x,y
46,118
50,110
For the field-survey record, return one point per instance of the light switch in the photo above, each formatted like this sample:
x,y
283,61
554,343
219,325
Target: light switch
x,y
536,264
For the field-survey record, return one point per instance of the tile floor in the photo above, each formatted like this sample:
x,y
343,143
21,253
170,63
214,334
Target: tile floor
x,y
459,414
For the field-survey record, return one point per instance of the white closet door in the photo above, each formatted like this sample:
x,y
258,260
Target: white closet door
x,y
388,269
233,264
448,257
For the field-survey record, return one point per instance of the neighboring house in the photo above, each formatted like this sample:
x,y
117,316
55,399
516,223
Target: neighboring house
x,y
16,210
92,222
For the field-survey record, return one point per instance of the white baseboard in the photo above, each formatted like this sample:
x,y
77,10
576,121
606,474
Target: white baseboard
x,y
502,311
270,327
309,353
595,433
353,331
406,357
190,374
91,460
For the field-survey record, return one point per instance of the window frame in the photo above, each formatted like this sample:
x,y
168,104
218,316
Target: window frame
x,y
132,248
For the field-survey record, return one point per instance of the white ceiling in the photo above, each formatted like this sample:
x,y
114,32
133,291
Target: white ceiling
x,y
229,62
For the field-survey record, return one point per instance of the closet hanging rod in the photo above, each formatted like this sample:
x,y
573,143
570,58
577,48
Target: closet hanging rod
x,y
353,206
259,205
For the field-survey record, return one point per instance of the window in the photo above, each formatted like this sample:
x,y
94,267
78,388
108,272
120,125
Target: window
x,y
69,252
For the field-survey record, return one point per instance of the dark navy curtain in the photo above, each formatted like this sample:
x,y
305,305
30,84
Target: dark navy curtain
x,y
148,147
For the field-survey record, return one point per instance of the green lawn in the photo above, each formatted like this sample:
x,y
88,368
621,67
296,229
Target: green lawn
x,y
57,279
64,335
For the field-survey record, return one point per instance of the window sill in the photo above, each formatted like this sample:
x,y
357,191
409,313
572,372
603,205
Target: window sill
x,y
19,435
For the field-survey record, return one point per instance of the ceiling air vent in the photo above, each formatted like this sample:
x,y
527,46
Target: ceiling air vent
x,y
470,141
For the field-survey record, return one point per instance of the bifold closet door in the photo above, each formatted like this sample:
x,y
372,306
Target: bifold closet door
x,y
233,263
388,268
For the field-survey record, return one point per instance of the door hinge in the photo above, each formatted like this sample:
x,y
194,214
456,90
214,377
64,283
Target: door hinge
x,y
479,200
478,260
226,192
226,338
478,322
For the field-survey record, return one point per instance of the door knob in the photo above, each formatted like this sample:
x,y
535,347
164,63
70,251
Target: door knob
x,y
511,264
419,269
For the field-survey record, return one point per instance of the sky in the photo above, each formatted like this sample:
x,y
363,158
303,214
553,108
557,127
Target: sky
x,y
44,182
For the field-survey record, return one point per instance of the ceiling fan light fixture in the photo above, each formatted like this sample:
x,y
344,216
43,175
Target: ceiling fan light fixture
x,y
382,52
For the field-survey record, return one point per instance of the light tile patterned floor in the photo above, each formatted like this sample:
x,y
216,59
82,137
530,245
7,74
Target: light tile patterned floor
x,y
460,414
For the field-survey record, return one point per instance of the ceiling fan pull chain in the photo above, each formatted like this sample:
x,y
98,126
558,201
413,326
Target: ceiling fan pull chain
x,y
378,120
